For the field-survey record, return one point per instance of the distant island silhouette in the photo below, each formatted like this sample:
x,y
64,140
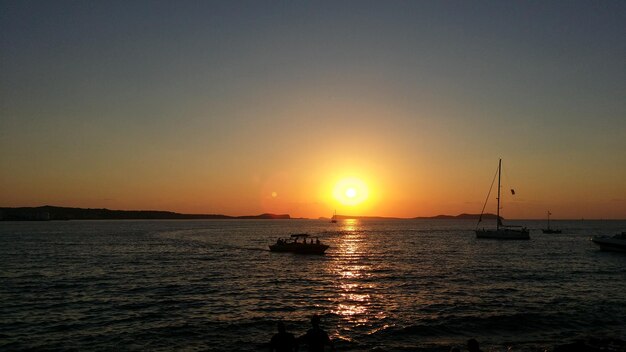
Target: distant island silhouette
x,y
48,212
62,213
463,216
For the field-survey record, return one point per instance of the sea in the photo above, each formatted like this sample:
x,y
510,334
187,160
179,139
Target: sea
x,y
383,285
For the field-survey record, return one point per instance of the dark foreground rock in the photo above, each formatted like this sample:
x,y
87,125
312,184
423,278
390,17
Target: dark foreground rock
x,y
593,345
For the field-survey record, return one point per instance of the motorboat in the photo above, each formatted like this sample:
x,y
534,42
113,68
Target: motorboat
x,y
300,243
615,243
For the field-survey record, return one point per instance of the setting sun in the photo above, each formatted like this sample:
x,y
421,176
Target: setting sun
x,y
350,191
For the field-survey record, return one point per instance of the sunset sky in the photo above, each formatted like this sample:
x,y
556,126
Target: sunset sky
x,y
389,108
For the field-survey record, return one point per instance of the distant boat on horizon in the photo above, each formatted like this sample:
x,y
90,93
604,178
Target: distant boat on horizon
x,y
548,229
334,218
501,231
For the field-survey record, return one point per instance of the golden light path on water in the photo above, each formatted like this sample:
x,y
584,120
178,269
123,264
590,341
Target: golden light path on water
x,y
355,300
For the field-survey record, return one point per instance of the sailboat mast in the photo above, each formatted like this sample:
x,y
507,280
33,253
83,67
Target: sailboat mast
x,y
548,219
498,210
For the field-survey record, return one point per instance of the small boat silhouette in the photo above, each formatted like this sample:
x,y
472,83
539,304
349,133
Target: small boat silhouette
x,y
549,230
298,243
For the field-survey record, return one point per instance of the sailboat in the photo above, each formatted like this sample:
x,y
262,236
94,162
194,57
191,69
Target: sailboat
x,y
334,218
501,232
549,230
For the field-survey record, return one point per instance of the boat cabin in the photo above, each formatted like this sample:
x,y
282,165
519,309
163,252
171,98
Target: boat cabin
x,y
302,238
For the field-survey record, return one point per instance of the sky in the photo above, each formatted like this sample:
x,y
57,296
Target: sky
x,y
385,108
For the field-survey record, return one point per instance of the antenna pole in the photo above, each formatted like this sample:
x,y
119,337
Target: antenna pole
x,y
498,210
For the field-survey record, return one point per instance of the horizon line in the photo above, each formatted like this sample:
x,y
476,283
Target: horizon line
x,y
342,217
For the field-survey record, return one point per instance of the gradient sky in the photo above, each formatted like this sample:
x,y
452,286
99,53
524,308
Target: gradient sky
x,y
244,107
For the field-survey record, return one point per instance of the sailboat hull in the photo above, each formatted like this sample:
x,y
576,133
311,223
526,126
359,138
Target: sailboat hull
x,y
504,234
550,231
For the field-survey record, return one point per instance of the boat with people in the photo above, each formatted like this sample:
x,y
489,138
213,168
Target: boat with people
x,y
501,232
615,243
548,229
300,243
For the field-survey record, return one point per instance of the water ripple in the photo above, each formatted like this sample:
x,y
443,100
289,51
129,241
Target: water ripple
x,y
214,286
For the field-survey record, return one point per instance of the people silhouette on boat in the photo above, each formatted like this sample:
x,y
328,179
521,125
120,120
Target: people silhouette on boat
x,y
473,346
283,341
315,338
299,243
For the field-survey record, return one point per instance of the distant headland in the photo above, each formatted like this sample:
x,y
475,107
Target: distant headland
x,y
48,212
436,217
62,213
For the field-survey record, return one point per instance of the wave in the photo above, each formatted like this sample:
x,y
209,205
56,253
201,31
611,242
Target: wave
x,y
477,325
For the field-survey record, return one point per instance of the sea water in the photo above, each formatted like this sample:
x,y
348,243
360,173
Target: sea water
x,y
399,285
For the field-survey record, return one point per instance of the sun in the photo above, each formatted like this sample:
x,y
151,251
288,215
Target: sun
x,y
350,191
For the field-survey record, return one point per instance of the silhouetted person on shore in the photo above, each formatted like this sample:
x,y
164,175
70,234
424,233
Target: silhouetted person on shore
x,y
472,346
316,338
283,341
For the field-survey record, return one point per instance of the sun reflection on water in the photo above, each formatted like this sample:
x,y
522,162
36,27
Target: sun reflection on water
x,y
350,225
351,269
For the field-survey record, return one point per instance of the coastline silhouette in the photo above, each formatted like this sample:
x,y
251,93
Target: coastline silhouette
x,y
48,212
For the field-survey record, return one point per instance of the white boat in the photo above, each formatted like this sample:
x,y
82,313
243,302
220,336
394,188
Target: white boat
x,y
501,232
615,243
